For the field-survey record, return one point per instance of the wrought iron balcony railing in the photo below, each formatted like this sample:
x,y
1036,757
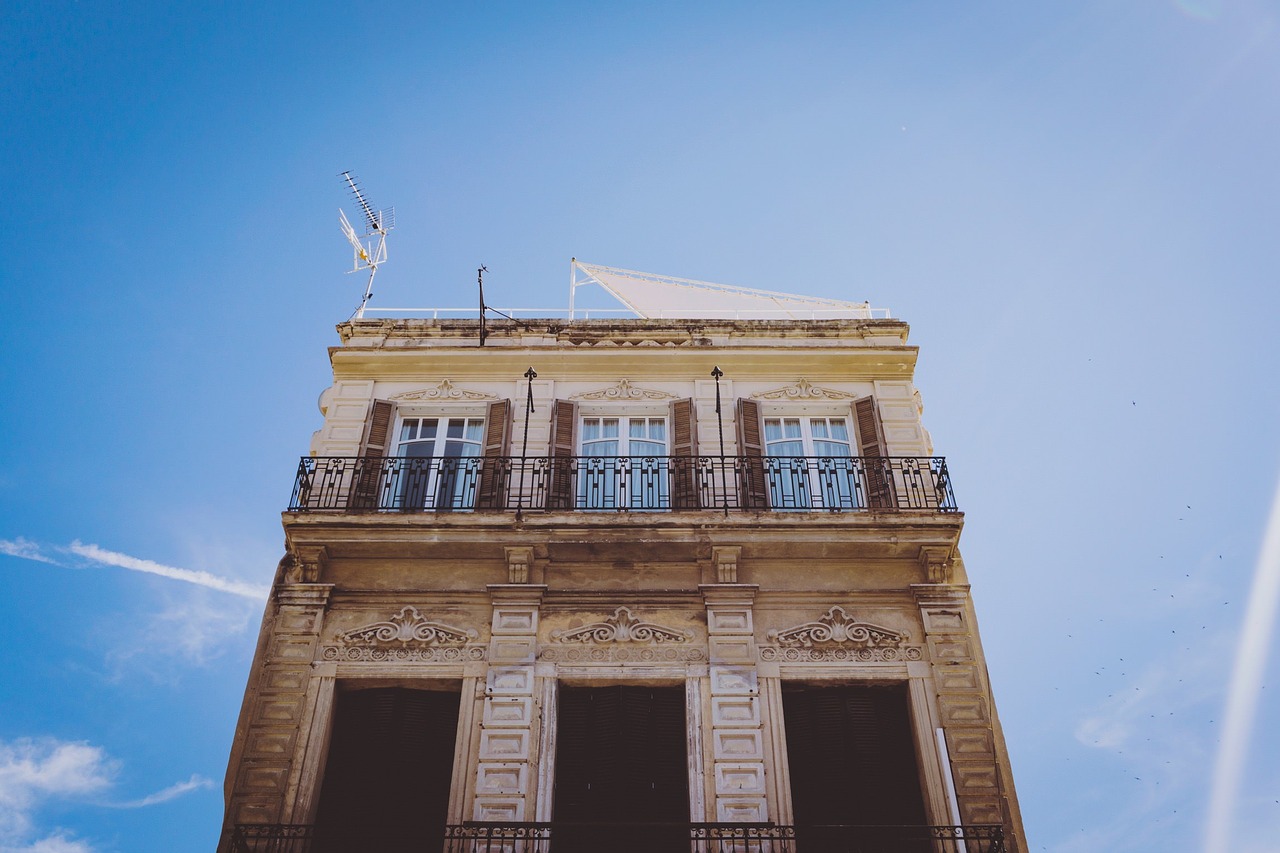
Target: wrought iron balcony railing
x,y
536,837
635,483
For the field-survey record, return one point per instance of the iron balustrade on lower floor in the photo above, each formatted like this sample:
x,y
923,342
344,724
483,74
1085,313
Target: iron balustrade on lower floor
x,y
552,837
627,483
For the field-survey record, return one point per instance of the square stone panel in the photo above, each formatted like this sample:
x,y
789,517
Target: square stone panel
x,y
292,677
507,710
734,680
742,809
501,809
504,744
741,711
740,778
729,621
278,709
515,620
507,778
501,680
737,744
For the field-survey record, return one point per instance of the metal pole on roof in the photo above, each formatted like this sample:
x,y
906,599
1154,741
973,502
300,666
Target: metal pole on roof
x,y
573,283
530,375
716,373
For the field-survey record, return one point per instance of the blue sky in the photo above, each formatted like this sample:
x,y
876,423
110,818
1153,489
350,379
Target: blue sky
x,y
1074,204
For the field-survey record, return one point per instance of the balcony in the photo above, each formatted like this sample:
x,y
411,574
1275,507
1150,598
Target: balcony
x,y
622,483
531,837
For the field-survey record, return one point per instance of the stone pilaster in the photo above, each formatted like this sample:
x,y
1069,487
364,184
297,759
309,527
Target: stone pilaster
x,y
737,736
278,706
507,758
963,701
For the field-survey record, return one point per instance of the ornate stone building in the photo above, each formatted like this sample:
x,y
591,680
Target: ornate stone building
x,y
679,582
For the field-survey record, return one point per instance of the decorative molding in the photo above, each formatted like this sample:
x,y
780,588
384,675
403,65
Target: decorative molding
x,y
803,390
518,562
408,628
621,627
623,654
838,628
368,654
840,654
443,392
725,558
624,390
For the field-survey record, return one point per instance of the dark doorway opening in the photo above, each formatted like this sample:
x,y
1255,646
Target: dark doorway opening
x,y
622,772
852,761
387,779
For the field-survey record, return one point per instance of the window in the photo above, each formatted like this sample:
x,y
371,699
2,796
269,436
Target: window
x,y
388,775
624,463
809,463
437,464
851,757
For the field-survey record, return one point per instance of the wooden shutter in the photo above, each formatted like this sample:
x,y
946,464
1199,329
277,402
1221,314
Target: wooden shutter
x,y
685,493
388,774
564,421
878,479
751,484
852,762
495,470
621,758
373,448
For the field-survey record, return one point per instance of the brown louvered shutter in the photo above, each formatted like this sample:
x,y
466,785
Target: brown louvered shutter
x,y
373,448
495,471
564,419
751,484
871,447
684,450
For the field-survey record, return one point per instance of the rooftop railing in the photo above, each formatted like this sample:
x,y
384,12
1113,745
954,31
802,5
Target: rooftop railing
x,y
550,837
622,483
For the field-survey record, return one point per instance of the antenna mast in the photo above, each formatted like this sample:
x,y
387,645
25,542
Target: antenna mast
x,y
370,251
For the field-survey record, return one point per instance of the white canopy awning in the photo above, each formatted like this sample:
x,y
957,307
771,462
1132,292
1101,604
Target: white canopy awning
x,y
660,296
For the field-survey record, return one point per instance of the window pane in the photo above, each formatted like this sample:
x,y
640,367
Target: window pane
x,y
429,426
819,427
839,429
590,429
637,427
609,427
408,428
475,430
830,448
772,429
791,427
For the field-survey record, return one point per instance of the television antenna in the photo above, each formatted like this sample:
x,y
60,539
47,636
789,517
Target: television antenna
x,y
370,250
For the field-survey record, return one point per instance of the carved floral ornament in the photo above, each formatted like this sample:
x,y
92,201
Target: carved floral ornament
x,y
624,390
443,392
406,636
837,636
803,390
622,638
622,627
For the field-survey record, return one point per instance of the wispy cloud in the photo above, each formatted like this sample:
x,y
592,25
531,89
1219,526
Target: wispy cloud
x,y
35,771
58,842
25,549
172,792
137,564
1149,733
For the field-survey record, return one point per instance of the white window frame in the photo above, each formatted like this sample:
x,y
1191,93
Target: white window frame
x,y
643,481
821,481
416,487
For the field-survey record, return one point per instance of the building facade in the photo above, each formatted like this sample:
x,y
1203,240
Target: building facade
x,y
649,583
